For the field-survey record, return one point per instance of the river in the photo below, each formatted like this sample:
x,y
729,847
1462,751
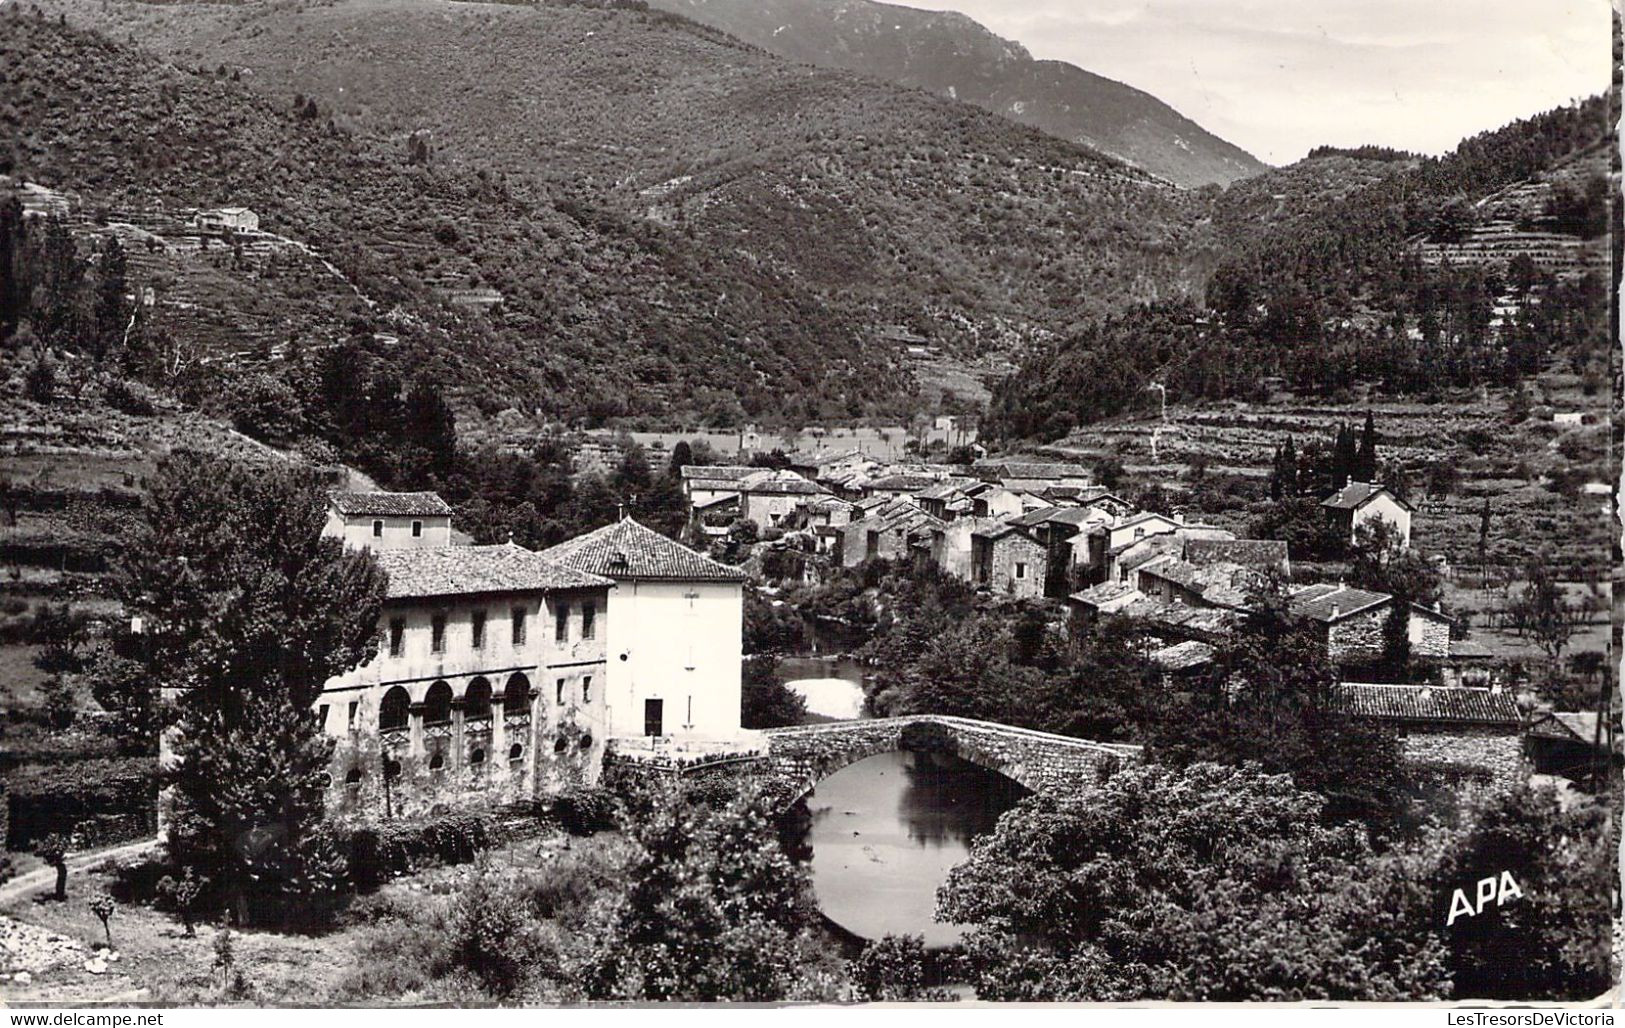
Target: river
x,y
880,835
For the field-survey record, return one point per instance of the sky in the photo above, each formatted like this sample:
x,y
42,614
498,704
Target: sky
x,y
1277,77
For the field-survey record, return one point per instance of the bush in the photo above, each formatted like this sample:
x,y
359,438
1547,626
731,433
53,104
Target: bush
x,y
377,853
582,810
129,398
112,798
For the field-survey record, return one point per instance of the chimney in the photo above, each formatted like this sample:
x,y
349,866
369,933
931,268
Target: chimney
x,y
1336,610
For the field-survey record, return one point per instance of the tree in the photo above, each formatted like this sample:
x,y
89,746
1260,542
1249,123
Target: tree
x,y
1542,611
1382,563
1203,883
185,895
892,969
102,906
53,849
767,702
712,910
1365,462
247,611
1269,700
681,455
1552,942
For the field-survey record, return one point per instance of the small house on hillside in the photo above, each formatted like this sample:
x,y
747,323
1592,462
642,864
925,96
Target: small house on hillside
x,y
226,219
1353,620
389,521
1449,733
1360,503
768,497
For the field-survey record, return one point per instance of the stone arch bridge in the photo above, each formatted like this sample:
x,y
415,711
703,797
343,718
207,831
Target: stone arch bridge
x,y
804,755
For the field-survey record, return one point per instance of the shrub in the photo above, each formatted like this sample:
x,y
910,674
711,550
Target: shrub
x,y
582,810
377,853
113,797
129,398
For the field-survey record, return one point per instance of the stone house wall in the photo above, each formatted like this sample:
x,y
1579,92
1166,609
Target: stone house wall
x,y
1494,753
1003,556
1357,639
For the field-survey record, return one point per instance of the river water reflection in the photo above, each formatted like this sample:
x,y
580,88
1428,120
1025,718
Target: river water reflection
x,y
884,832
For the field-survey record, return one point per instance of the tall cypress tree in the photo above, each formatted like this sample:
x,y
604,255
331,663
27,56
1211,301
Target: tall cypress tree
x,y
1366,464
247,611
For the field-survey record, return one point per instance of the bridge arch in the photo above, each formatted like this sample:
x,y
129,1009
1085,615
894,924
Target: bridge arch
x,y
805,755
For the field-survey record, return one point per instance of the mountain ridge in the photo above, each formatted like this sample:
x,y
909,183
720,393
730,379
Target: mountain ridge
x,y
951,54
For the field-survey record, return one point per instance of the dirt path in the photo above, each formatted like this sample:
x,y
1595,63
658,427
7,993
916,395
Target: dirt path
x,y
45,877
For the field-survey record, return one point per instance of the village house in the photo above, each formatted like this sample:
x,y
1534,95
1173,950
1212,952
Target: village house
x,y
226,219
1008,562
674,633
1446,733
1573,745
995,501
769,497
946,499
470,700
1360,503
950,545
1352,622
703,483
1030,476
388,521
888,533
818,464
897,485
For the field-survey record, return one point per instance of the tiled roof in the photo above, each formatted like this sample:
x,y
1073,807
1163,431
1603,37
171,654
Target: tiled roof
x,y
1032,469
399,505
1183,656
1142,516
1571,727
1150,548
1356,493
778,483
1258,553
1469,649
904,483
716,472
943,489
626,549
462,570
1327,602
1427,703
818,458
1105,592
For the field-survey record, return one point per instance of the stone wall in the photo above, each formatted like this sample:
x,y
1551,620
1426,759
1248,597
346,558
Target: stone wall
x,y
1429,636
1488,753
1357,639
1039,761
1005,554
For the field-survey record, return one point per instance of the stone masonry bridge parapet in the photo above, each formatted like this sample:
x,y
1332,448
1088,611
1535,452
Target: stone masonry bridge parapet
x,y
1055,764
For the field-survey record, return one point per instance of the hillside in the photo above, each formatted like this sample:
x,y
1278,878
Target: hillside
x,y
1340,273
880,205
952,55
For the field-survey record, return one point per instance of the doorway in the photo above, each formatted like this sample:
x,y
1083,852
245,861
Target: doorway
x,y
654,717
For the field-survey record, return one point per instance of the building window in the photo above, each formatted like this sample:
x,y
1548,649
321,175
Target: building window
x,y
354,706
589,615
519,626
1021,571
476,758
417,530
1139,533
392,712
437,704
321,716
516,697
558,692
586,689
516,752
377,529
561,622
477,630
437,634
397,636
